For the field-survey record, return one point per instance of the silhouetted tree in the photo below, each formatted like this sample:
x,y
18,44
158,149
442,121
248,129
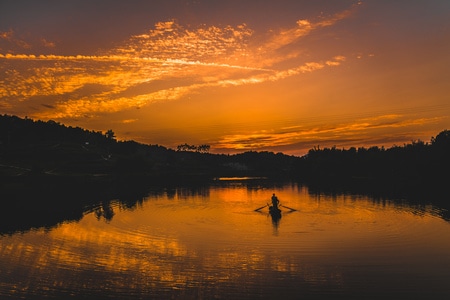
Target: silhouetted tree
x,y
442,140
203,148
110,135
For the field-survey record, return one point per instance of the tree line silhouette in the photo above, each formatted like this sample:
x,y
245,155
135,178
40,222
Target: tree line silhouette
x,y
200,148
414,160
53,149
414,169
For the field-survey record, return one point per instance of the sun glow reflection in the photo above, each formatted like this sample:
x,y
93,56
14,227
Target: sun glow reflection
x,y
198,238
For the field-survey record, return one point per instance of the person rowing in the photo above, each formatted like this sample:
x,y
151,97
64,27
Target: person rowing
x,y
275,201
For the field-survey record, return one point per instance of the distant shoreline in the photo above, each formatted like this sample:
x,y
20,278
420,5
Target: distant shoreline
x,y
40,152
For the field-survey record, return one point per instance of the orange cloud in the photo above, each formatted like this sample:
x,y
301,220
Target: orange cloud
x,y
306,134
165,63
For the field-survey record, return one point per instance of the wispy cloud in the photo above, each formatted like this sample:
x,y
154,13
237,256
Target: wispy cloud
x,y
197,58
9,40
339,134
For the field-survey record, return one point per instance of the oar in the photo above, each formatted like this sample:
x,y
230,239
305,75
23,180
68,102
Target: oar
x,y
260,207
293,209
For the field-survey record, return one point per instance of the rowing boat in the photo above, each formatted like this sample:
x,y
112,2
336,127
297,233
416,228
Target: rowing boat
x,y
275,212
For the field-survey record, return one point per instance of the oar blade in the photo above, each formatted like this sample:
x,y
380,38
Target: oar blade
x,y
258,209
293,209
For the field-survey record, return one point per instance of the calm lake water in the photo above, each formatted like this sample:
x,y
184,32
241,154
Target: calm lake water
x,y
209,243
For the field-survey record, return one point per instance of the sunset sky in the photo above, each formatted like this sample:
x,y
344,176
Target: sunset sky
x,y
272,75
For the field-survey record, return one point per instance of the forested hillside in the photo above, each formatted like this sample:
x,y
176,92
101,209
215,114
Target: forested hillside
x,y
49,148
29,147
413,167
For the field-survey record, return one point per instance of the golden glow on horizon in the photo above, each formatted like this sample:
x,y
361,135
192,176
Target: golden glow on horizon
x,y
232,78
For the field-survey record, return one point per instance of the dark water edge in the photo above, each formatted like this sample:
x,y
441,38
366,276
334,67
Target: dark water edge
x,y
44,201
415,191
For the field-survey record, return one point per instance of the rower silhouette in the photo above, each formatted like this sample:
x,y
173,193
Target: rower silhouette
x,y
275,201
